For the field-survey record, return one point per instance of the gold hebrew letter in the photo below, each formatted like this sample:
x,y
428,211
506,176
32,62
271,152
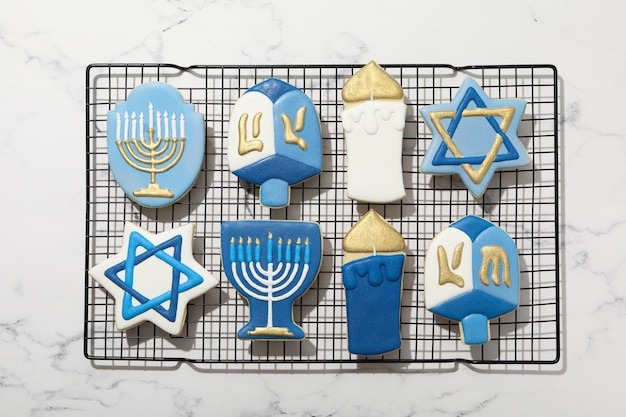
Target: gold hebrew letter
x,y
246,146
493,255
445,273
290,136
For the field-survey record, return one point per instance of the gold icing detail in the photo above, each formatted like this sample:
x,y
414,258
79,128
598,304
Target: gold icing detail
x,y
494,254
371,82
270,331
458,253
153,190
300,118
446,276
476,175
246,146
256,125
145,152
372,231
290,136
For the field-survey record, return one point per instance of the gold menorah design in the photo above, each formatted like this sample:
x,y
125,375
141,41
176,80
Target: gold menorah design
x,y
156,155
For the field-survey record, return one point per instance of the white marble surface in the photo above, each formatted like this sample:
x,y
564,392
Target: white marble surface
x,y
44,49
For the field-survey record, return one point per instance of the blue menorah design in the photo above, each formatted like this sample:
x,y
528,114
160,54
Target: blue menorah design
x,y
271,267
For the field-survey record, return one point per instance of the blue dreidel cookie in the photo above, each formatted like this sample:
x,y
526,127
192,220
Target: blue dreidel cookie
x,y
155,144
471,275
372,276
274,140
473,136
153,278
271,264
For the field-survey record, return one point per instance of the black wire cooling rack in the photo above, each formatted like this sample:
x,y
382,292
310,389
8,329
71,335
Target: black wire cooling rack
x,y
524,202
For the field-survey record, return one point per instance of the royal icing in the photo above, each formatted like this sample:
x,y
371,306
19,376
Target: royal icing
x,y
153,278
274,140
471,275
271,263
372,277
155,144
373,122
473,136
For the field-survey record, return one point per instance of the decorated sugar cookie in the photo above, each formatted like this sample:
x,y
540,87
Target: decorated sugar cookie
x,y
473,136
471,275
271,263
373,123
274,140
372,276
155,144
153,278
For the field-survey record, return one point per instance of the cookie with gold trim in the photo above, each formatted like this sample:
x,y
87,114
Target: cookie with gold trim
x,y
271,263
274,139
471,275
155,143
373,120
372,276
473,136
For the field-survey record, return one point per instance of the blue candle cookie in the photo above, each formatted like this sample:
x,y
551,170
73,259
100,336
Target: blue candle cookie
x,y
155,144
372,276
471,275
473,136
274,140
153,278
271,263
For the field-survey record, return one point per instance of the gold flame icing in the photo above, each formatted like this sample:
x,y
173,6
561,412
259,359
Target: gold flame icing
x,y
372,233
371,82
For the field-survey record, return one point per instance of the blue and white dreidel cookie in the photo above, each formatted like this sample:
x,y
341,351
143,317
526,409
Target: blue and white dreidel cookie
x,y
155,144
373,120
271,263
473,136
274,140
472,276
153,278
372,276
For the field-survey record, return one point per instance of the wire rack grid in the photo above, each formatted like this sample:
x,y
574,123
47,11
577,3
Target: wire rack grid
x,y
524,202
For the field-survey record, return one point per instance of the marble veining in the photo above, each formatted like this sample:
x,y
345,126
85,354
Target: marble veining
x,y
45,47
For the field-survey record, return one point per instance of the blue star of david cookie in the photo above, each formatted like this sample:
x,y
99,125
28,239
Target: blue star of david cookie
x,y
153,278
473,136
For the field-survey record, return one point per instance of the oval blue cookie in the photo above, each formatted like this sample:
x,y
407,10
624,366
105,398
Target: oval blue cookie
x,y
155,144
